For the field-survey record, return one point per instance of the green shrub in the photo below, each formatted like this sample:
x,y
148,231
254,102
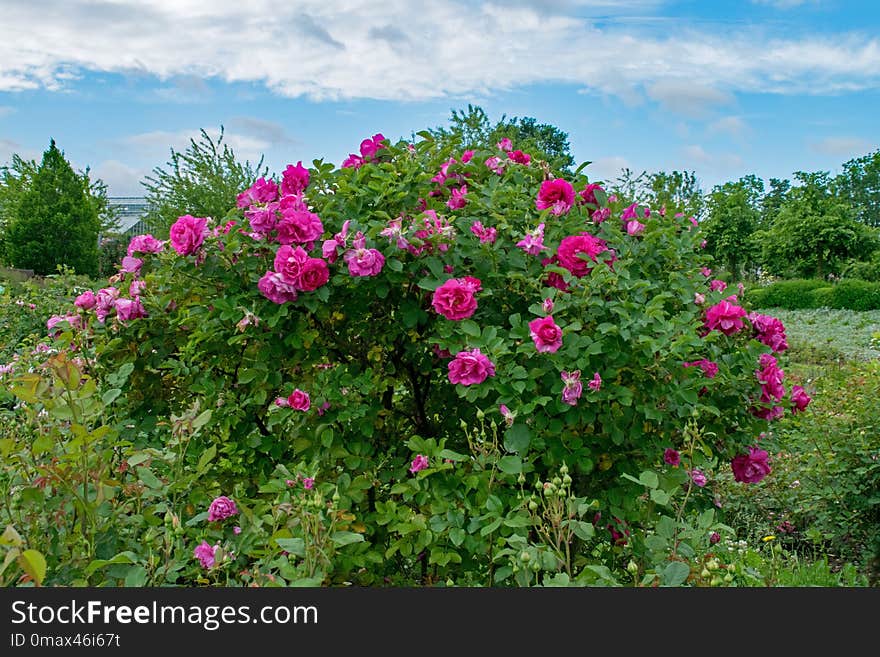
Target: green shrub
x,y
856,295
792,294
822,297
866,270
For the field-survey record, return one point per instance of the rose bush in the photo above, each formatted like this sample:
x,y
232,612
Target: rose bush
x,y
407,332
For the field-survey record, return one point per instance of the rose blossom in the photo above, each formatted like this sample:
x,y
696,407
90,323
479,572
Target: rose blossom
x,y
570,247
299,400
533,242
299,227
294,179
595,383
725,317
188,233
556,195
752,467
799,398
362,261
262,191
671,456
495,164
546,335
308,483
128,309
698,477
277,288
221,508
105,301
710,369
420,462
519,157
505,144
588,193
457,198
205,552
506,413
634,227
369,147
470,367
717,285
144,244
572,387
86,300
485,234
769,330
455,299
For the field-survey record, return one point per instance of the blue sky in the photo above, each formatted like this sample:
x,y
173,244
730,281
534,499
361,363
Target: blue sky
x,y
723,88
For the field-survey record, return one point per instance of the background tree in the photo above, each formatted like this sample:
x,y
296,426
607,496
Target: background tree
x,y
815,232
859,183
733,216
203,181
472,128
678,191
54,215
772,201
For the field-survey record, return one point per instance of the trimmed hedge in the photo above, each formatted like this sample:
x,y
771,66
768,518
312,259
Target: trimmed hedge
x,y
798,294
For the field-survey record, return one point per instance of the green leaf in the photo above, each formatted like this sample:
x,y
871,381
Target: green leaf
x,y
294,546
660,496
470,327
203,418
34,564
517,439
146,475
675,574
121,558
136,576
109,396
205,459
510,464
346,538
649,479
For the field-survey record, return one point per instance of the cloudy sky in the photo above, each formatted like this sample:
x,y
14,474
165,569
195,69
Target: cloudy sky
x,y
724,88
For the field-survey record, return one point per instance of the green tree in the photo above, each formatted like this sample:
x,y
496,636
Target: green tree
x,y
54,218
859,183
472,128
203,181
678,191
733,216
772,201
815,232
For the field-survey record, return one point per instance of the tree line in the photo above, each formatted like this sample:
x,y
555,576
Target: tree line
x,y
813,225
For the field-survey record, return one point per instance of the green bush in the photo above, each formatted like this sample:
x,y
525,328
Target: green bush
x,y
792,294
822,297
866,270
856,295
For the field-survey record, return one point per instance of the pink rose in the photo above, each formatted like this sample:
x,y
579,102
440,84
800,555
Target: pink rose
x,y
128,309
308,483
262,191
572,388
314,274
188,233
725,317
105,301
131,265
466,156
221,508
364,262
546,335
455,299
519,157
420,462
769,330
205,552
799,398
505,144
634,227
86,300
752,467
299,400
289,262
698,477
570,247
717,285
299,227
595,383
588,193
671,456
353,162
264,219
276,288
556,195
369,147
144,244
295,179
457,199
470,367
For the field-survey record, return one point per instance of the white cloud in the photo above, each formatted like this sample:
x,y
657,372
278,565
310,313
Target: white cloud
x,y
843,146
160,142
733,126
121,179
687,98
349,49
608,168
697,157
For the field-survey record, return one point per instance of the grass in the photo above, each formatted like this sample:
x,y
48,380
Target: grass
x,y
827,335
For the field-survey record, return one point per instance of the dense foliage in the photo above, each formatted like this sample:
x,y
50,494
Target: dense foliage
x,y
421,366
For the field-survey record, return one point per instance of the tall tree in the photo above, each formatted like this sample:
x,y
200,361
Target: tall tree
x,y
732,218
772,201
472,128
859,182
53,219
815,232
678,191
203,181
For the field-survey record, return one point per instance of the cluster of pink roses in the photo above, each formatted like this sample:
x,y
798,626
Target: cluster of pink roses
x,y
295,271
368,149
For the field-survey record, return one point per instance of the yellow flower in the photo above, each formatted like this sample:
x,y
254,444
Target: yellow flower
x,y
769,538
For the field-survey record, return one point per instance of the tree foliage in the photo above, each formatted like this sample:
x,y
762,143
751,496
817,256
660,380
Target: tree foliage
x,y
859,183
676,191
472,128
733,216
53,215
815,232
203,181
